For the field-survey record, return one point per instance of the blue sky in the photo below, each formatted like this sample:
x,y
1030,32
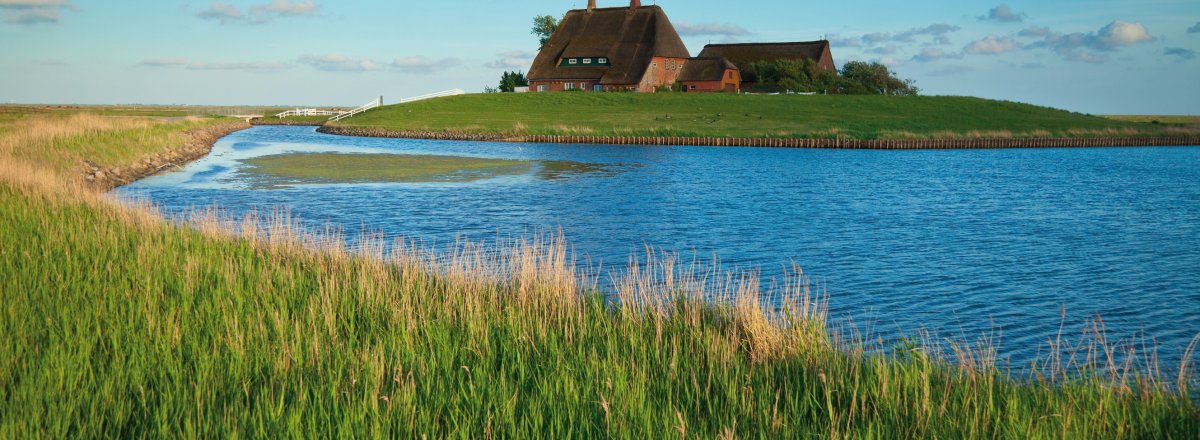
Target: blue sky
x,y
1095,56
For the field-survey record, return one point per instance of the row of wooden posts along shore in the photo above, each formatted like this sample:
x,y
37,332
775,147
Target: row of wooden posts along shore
x,y
874,144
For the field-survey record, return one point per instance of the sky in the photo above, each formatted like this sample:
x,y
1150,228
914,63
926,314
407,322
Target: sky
x,y
1089,56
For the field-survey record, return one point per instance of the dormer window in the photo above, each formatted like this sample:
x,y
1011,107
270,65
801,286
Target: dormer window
x,y
585,62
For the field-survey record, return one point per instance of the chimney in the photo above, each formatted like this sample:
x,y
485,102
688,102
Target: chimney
x,y
634,4
591,5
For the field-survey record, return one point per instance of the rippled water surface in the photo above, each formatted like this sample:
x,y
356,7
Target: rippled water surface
x,y
957,242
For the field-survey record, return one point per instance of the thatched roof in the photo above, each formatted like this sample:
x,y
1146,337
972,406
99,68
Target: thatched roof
x,y
705,69
744,54
628,38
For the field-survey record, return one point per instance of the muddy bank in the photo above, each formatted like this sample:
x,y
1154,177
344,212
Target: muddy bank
x,y
857,144
199,143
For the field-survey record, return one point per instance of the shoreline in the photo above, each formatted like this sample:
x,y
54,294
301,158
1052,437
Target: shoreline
x,y
850,144
199,144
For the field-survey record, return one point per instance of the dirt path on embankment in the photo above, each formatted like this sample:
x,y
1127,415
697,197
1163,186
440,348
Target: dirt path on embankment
x,y
199,142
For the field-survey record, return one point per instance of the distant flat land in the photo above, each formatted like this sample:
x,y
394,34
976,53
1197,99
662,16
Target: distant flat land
x,y
748,116
1151,119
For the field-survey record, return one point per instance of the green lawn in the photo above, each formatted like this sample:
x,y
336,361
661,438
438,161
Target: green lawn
x,y
116,323
750,116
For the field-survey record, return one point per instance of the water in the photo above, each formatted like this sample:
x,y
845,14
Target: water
x,y
961,243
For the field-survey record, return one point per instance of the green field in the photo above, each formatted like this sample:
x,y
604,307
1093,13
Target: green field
x,y
117,323
747,116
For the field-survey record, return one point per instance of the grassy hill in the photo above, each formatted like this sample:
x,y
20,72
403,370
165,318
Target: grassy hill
x,y
747,116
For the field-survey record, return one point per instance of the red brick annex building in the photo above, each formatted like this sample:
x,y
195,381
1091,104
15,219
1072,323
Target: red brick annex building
x,y
636,48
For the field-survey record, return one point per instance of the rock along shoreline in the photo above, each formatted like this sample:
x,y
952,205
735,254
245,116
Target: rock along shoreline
x,y
852,144
199,143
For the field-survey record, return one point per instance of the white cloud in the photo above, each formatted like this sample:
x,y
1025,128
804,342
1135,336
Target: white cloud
x,y
287,8
340,63
221,11
687,28
1090,47
164,62
515,59
991,45
424,65
1034,32
838,41
1123,33
1085,57
258,13
29,12
1003,14
251,66
936,33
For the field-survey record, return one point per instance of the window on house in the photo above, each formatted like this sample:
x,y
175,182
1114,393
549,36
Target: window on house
x,y
654,65
604,61
597,88
542,88
570,86
587,61
573,61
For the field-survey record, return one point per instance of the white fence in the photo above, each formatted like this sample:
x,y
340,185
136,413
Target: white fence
x,y
337,116
307,112
454,92
350,113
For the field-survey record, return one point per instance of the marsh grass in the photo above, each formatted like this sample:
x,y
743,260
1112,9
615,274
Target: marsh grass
x,y
120,324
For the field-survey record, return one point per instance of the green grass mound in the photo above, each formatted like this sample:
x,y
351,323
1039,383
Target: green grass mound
x,y
746,116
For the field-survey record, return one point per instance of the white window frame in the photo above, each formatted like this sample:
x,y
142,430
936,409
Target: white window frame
x,y
587,61
603,61
572,61
543,88
569,86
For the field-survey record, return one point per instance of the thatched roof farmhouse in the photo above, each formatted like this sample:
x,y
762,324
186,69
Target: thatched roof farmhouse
x,y
636,48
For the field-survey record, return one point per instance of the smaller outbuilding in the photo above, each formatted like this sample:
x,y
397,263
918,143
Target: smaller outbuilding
x,y
745,54
710,75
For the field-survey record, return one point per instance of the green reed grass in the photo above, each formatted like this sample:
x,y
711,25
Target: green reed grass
x,y
119,324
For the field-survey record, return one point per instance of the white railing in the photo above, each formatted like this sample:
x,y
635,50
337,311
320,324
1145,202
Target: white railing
x,y
350,113
307,112
454,92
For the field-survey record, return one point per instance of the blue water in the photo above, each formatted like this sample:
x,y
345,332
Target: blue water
x,y
960,243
